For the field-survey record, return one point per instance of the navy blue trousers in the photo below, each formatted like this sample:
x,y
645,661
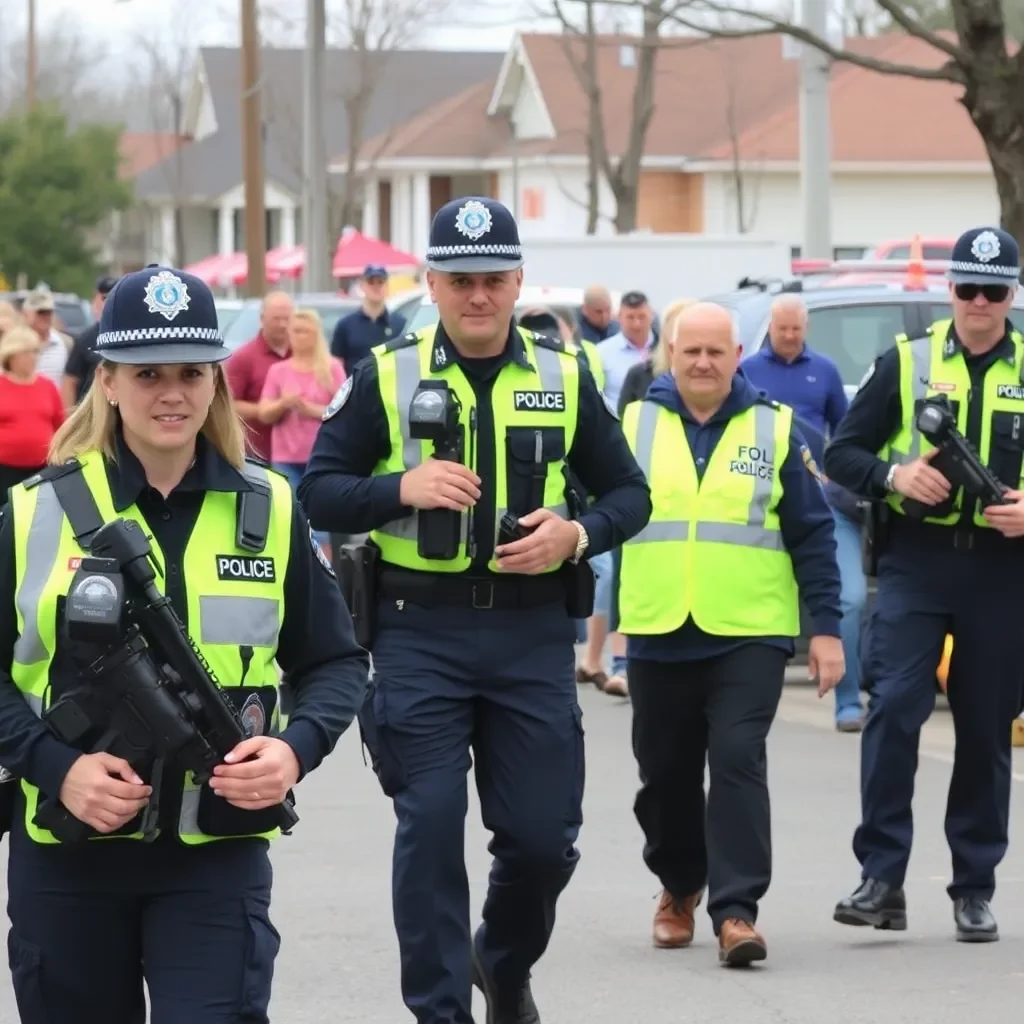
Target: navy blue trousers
x,y
499,685
90,925
924,592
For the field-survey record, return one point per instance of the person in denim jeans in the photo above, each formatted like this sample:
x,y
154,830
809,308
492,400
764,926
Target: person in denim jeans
x,y
852,599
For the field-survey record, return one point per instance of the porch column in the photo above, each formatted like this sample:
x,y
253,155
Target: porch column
x,y
371,209
225,230
288,224
167,235
420,233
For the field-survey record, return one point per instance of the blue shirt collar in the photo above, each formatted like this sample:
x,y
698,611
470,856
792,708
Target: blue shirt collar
x,y
769,353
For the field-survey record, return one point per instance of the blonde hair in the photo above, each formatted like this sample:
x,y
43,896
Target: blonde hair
x,y
93,424
16,340
322,365
661,361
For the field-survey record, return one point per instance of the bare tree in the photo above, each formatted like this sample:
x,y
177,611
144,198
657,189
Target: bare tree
x,y
746,191
370,30
978,56
581,46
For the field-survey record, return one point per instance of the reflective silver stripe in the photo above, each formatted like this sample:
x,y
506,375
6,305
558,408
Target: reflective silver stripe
x,y
40,558
255,474
743,536
549,369
239,621
764,439
669,530
407,377
188,818
647,423
35,703
920,370
404,529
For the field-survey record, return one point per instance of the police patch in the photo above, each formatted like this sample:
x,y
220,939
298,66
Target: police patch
x,y
941,385
812,466
246,569
319,552
338,401
539,401
1014,391
254,718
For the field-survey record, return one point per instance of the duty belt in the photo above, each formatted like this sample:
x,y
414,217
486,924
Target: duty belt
x,y
484,593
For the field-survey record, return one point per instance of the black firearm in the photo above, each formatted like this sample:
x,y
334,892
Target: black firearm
x,y
149,697
956,459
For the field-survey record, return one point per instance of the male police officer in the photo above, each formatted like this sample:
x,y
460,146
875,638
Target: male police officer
x,y
474,649
948,565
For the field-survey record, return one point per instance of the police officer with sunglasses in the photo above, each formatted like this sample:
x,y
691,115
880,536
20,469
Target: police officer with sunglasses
x,y
948,565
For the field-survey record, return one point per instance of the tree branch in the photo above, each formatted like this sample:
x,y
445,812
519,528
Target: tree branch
x,y
951,71
913,26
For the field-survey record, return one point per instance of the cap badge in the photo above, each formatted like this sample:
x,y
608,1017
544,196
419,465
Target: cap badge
x,y
473,220
985,247
167,295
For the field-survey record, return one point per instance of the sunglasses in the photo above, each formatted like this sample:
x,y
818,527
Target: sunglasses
x,y
992,292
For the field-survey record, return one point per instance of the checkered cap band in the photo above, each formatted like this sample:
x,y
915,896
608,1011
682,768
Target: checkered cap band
x,y
513,252
121,339
992,269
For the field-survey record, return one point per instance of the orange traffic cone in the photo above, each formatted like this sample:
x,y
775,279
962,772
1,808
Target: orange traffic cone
x,y
917,279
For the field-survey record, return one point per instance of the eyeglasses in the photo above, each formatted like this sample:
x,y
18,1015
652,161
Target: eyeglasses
x,y
992,292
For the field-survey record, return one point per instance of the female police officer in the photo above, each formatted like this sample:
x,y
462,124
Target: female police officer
x,y
158,442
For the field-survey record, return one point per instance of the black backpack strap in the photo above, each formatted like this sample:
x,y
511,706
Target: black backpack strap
x,y
68,483
253,522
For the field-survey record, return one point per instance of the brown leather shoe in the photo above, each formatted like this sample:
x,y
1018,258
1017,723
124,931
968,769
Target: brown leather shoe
x,y
739,944
673,920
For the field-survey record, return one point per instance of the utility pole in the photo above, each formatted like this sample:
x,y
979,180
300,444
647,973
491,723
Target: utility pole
x,y
314,157
815,136
252,154
30,58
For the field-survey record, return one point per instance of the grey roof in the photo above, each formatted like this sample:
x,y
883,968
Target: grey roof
x,y
410,81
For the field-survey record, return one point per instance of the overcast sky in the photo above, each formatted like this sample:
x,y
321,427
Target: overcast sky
x,y
120,22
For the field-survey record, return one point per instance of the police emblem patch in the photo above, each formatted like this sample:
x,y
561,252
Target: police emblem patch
x,y
319,552
254,718
985,247
473,220
338,401
812,466
167,295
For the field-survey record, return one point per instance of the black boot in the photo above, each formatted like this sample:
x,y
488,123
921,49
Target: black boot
x,y
505,1007
975,921
874,903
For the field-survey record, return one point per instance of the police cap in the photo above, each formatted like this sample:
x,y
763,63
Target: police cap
x,y
985,256
474,235
160,315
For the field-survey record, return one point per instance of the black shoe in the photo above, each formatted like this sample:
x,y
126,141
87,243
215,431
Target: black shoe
x,y
512,1008
974,920
874,903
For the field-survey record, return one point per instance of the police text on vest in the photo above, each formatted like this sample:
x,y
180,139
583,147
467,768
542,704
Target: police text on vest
x,y
246,569
751,461
1010,391
539,401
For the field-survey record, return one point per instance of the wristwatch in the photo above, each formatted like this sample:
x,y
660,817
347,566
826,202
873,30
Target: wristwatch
x,y
890,479
582,544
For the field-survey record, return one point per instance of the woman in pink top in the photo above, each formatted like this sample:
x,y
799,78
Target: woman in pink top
x,y
295,394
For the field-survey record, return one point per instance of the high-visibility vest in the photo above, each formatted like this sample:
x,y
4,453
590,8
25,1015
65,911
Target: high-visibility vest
x,y
713,548
234,623
593,360
935,365
524,402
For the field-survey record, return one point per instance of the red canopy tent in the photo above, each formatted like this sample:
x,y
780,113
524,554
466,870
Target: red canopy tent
x,y
355,251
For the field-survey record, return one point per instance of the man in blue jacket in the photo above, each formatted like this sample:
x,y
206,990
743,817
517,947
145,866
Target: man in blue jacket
x,y
709,596
788,371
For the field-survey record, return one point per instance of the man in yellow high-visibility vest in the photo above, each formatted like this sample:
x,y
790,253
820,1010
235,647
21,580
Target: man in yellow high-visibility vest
x,y
709,599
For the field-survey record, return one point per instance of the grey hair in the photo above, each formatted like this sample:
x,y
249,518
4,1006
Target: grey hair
x,y
789,300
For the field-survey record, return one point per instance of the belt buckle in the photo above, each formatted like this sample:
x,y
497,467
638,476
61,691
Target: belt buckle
x,y
478,603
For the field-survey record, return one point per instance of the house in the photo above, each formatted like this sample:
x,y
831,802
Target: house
x,y
200,183
722,152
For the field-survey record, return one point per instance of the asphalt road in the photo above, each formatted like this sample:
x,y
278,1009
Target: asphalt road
x,y
339,960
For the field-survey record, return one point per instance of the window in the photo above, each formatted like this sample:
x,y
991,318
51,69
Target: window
x,y
849,252
939,251
942,311
854,336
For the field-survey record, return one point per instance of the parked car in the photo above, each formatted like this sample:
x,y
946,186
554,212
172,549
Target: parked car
x,y
563,302
851,324
246,322
74,313
227,312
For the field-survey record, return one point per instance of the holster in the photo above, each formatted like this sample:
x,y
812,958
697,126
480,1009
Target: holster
x,y
579,589
357,566
874,535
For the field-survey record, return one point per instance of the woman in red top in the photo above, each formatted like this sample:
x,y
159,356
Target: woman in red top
x,y
31,409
